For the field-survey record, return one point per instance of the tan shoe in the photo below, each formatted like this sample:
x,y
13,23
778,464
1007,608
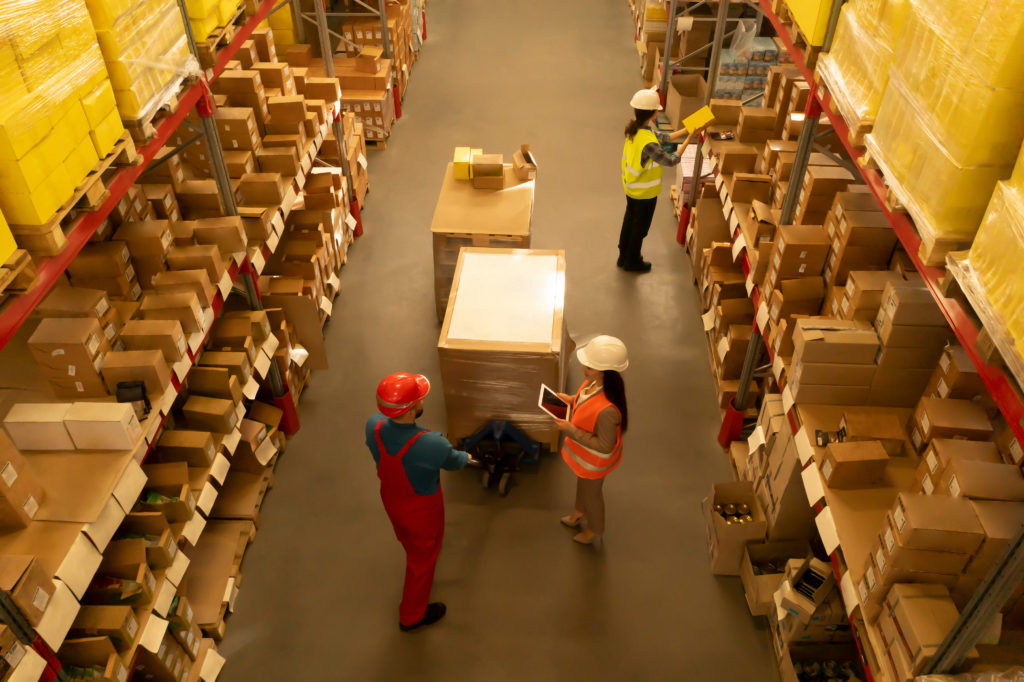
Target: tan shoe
x,y
587,537
572,521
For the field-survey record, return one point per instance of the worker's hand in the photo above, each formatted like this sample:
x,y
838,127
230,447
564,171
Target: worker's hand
x,y
563,426
472,461
565,397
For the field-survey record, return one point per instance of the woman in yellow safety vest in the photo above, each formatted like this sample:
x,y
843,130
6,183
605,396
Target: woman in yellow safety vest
x,y
642,159
598,417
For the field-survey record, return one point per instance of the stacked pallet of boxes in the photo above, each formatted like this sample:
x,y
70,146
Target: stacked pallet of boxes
x,y
856,68
948,126
994,254
652,21
205,16
363,33
365,82
921,476
146,53
57,118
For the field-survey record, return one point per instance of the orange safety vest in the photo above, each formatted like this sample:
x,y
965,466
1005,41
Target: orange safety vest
x,y
584,462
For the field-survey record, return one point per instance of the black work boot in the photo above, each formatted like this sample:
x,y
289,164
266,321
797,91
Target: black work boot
x,y
435,612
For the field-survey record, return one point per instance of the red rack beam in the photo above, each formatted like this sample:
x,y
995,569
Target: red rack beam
x,y
50,269
1001,386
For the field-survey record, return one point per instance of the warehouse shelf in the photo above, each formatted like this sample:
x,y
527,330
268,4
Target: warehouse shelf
x,y
1003,388
50,269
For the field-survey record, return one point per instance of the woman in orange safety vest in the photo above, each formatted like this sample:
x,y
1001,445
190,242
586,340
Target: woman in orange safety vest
x,y
592,446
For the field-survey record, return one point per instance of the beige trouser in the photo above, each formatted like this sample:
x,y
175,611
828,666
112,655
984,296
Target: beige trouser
x,y
590,502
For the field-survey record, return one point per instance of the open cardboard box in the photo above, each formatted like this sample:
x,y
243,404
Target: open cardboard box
x,y
726,542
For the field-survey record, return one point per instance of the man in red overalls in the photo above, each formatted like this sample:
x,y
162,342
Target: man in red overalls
x,y
409,462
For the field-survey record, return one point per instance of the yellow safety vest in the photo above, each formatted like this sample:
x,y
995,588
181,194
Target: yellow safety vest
x,y
640,181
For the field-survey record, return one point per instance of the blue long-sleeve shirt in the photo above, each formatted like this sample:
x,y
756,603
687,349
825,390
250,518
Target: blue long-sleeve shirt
x,y
425,459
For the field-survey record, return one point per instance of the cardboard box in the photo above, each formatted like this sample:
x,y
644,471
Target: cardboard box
x,y
726,542
181,306
1000,522
807,583
854,464
146,237
938,523
762,570
886,428
168,491
910,304
28,584
103,426
685,95
147,366
923,618
524,164
116,622
196,448
66,301
197,281
816,341
227,234
949,418
199,257
213,414
163,335
979,480
20,491
39,426
236,362
941,451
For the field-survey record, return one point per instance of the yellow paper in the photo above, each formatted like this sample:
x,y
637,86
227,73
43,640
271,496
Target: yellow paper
x,y
698,119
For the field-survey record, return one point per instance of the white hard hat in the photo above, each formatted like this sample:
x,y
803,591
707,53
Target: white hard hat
x,y
603,353
645,99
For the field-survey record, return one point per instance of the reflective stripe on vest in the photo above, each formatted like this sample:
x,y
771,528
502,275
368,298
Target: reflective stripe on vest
x,y
638,180
587,462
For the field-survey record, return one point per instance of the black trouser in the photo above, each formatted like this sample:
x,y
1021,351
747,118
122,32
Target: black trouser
x,y
636,223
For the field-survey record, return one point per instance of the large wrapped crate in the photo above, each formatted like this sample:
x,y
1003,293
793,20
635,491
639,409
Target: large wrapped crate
x,y
57,110
468,217
146,52
949,123
504,335
856,67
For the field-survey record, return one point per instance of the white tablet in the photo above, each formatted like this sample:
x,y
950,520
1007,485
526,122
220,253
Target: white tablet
x,y
552,404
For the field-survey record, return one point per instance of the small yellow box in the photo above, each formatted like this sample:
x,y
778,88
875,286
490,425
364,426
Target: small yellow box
x,y
107,133
201,9
30,171
460,162
281,20
99,103
81,160
39,206
7,245
812,18
20,131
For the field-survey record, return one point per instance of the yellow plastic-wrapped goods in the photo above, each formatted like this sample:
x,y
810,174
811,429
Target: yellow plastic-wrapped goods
x,y
146,52
944,197
996,255
989,34
977,123
857,67
7,245
57,111
1017,179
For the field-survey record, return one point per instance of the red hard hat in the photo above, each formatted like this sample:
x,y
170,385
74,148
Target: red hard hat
x,y
399,392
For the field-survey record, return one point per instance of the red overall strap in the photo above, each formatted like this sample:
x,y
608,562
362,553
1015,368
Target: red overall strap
x,y
405,448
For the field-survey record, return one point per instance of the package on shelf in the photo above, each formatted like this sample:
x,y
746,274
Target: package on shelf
x,y
744,72
58,117
282,26
145,50
994,255
947,128
206,15
857,64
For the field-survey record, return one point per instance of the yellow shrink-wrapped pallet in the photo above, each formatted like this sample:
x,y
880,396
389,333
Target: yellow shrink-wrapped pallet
x,y
949,123
146,52
57,110
7,245
1017,179
996,255
857,66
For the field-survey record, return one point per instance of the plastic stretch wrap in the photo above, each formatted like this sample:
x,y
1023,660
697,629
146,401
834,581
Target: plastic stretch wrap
x,y
1012,675
1017,179
57,113
857,67
146,52
947,197
988,34
480,386
996,255
207,15
978,123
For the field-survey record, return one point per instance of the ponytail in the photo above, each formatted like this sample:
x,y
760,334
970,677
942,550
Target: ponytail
x,y
640,119
615,391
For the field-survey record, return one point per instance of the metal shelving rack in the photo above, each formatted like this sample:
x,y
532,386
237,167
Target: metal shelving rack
x,y
242,274
1008,572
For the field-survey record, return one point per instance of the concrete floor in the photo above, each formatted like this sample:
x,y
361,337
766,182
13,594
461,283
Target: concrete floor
x,y
322,580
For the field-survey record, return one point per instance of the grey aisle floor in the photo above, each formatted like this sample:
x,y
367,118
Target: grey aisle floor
x,y
319,599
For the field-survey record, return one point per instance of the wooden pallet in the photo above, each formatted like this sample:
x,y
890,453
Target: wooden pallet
x,y
143,129
837,104
219,37
995,343
800,41
377,144
18,273
49,239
